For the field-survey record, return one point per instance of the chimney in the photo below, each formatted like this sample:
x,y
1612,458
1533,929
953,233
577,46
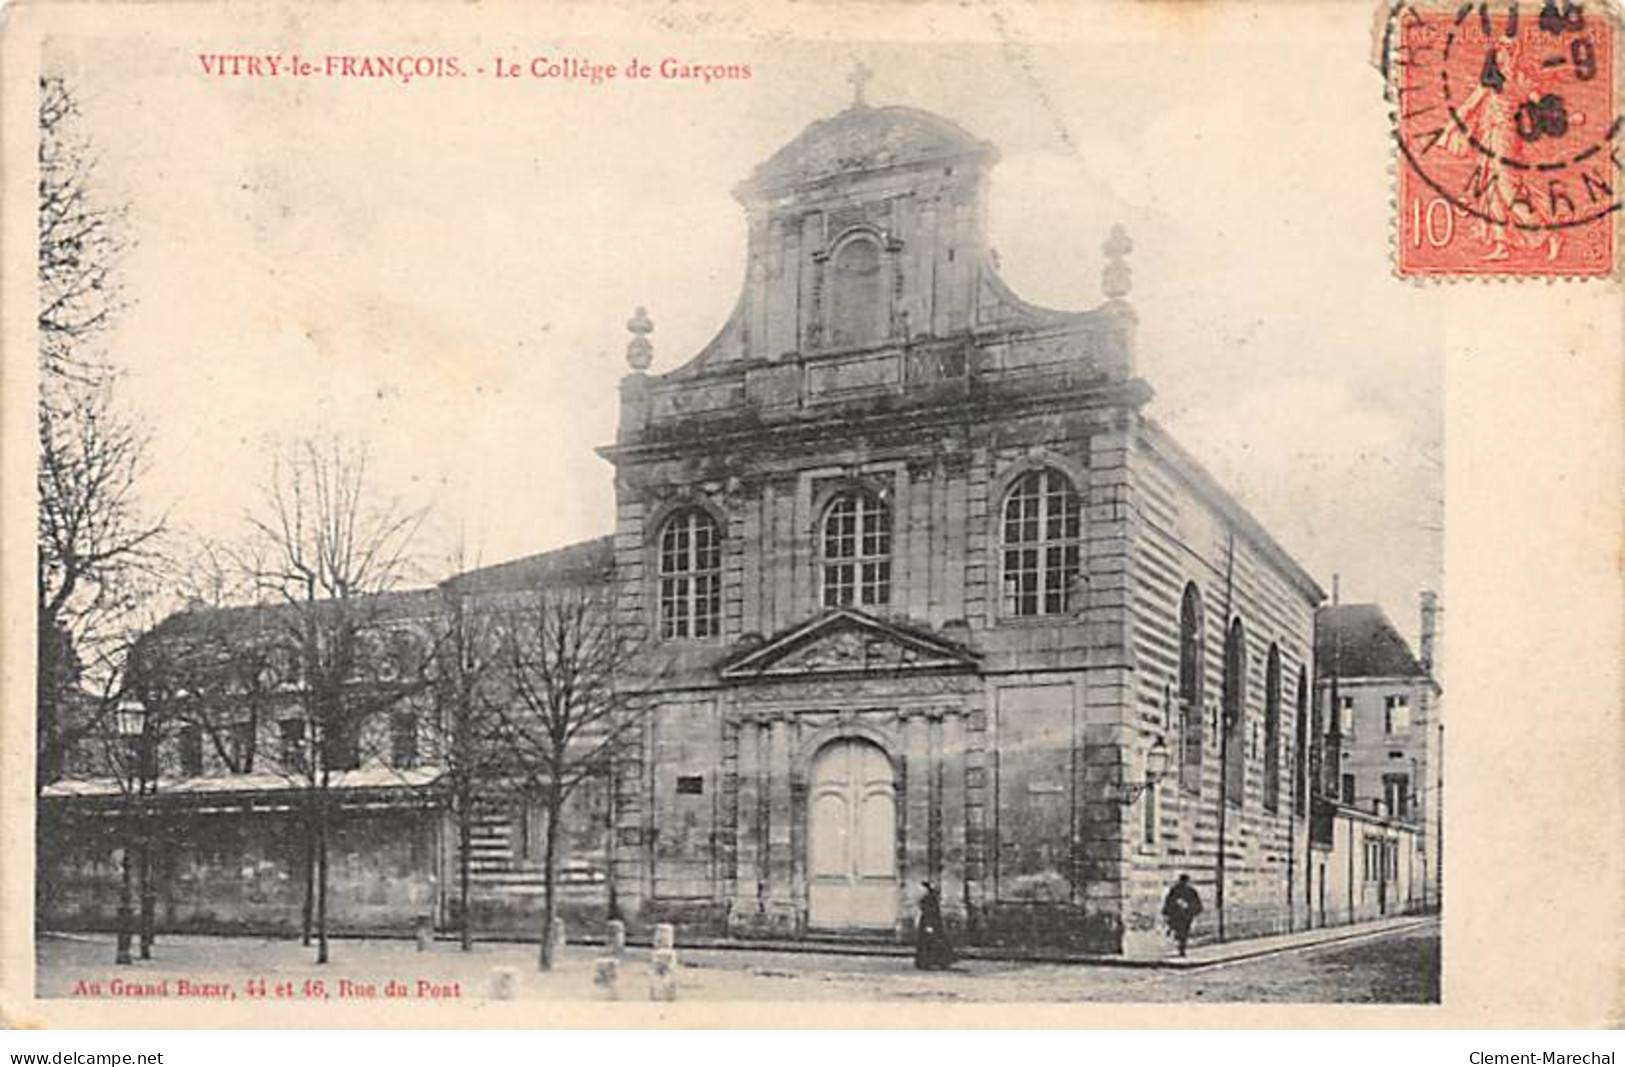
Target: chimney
x,y
1337,583
1430,627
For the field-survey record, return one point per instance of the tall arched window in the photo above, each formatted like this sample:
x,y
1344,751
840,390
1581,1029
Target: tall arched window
x,y
1300,776
856,294
1043,528
1272,730
1235,715
1190,689
690,575
855,544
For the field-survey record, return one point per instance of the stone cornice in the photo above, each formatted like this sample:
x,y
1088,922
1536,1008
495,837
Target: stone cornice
x,y
793,433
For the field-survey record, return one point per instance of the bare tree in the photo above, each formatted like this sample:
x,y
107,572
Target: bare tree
x,y
328,549
81,238
125,748
155,685
95,554
206,675
93,541
226,649
573,709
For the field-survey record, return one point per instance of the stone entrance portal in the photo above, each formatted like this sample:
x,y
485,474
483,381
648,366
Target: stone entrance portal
x,y
852,838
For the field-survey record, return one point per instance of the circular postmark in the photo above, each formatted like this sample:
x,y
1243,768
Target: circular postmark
x,y
1506,120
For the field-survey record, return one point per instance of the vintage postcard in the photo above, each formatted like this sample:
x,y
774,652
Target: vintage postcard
x,y
948,514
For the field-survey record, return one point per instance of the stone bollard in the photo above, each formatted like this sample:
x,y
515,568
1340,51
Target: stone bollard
x,y
615,939
504,983
606,976
665,936
663,974
555,938
424,933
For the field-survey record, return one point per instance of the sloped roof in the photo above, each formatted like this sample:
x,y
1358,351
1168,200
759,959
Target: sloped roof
x,y
404,603
372,775
584,563
1209,487
1358,641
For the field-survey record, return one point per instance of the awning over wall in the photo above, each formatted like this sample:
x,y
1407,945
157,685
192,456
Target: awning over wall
x,y
371,786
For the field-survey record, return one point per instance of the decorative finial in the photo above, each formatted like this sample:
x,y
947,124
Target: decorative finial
x,y
1116,279
859,78
639,352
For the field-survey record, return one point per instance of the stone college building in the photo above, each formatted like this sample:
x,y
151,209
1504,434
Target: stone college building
x,y
930,598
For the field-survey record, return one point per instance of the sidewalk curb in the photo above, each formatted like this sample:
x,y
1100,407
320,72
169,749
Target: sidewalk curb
x,y
1249,951
1238,950
1224,952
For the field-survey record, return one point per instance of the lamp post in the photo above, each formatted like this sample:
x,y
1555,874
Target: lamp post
x,y
1156,768
130,722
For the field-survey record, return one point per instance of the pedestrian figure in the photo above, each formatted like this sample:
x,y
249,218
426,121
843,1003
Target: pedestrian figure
x,y
1181,907
932,949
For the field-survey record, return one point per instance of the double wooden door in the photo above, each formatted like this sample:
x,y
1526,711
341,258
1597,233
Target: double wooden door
x,y
852,838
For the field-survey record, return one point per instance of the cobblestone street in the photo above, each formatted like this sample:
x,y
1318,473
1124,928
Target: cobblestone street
x,y
1392,967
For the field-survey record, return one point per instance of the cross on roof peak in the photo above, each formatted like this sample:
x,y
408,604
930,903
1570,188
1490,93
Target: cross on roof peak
x,y
859,78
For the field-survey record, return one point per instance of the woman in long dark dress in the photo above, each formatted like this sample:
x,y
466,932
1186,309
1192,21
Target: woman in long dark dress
x,y
932,949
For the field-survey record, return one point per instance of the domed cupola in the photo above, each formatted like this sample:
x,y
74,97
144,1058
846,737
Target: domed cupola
x,y
864,142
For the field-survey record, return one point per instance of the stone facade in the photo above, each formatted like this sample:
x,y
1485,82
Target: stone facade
x,y
1002,684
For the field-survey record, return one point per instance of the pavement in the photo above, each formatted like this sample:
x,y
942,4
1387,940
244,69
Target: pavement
x,y
1391,962
1231,951
1202,955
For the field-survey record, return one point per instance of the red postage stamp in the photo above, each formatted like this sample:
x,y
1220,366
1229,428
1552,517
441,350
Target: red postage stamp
x,y
1507,125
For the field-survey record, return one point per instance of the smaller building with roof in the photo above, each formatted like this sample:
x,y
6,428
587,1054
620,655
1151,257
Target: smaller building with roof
x,y
1379,704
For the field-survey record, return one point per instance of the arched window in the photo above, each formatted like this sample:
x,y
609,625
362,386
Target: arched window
x,y
1235,715
855,545
1190,689
1300,776
690,575
1042,536
856,294
1272,730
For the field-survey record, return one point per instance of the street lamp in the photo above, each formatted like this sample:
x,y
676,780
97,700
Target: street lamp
x,y
130,722
131,717
1156,768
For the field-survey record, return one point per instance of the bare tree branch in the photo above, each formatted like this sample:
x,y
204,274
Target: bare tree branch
x,y
96,550
572,712
81,241
328,551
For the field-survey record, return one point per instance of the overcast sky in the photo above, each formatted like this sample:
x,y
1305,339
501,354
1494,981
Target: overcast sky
x,y
444,269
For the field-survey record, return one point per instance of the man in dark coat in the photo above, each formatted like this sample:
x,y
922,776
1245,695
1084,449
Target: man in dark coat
x,y
932,949
1181,907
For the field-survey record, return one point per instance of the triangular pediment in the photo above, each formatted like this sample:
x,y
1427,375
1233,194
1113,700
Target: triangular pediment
x,y
845,641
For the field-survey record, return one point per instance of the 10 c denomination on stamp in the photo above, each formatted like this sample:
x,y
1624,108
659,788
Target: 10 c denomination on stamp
x,y
1507,125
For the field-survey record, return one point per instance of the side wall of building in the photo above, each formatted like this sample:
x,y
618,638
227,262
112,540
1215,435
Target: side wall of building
x,y
1379,748
1182,540
242,872
1372,869
1378,758
1431,799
